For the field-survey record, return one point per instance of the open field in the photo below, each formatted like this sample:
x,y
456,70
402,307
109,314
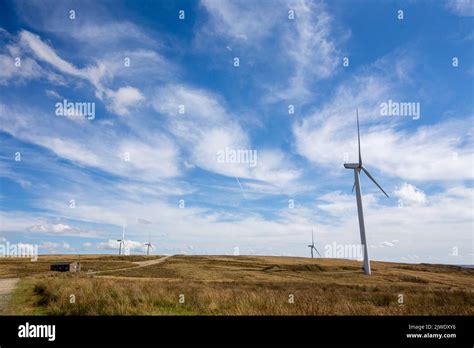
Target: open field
x,y
21,267
237,285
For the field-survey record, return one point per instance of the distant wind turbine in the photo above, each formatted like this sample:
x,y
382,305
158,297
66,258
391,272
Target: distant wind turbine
x,y
148,245
312,245
357,167
122,241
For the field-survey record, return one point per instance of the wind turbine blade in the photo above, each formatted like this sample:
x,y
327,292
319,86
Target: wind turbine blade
x,y
353,187
317,251
375,182
358,136
312,236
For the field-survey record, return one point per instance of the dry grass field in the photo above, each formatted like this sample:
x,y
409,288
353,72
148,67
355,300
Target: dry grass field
x,y
14,267
237,285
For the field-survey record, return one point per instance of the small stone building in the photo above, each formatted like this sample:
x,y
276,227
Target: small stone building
x,y
66,266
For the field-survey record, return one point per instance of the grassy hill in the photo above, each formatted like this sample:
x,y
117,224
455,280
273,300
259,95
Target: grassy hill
x,y
237,285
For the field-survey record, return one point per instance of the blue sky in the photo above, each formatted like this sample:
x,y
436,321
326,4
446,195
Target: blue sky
x,y
298,181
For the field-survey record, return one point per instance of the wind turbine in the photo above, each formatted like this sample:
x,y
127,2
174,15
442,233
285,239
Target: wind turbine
x,y
122,241
148,245
312,245
357,167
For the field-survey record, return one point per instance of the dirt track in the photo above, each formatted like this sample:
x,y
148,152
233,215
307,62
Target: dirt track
x,y
6,287
139,264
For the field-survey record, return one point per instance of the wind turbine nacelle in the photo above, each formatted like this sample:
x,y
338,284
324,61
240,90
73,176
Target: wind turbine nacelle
x,y
351,165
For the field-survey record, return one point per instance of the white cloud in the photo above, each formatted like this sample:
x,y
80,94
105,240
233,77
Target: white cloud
x,y
410,194
69,149
341,205
97,33
206,128
242,20
112,244
24,183
124,98
95,25
146,67
307,42
55,247
118,101
438,152
312,47
28,70
52,94
151,157
384,244
47,54
23,222
60,229
463,8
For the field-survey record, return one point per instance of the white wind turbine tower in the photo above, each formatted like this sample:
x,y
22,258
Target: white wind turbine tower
x,y
148,245
122,241
312,245
357,167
